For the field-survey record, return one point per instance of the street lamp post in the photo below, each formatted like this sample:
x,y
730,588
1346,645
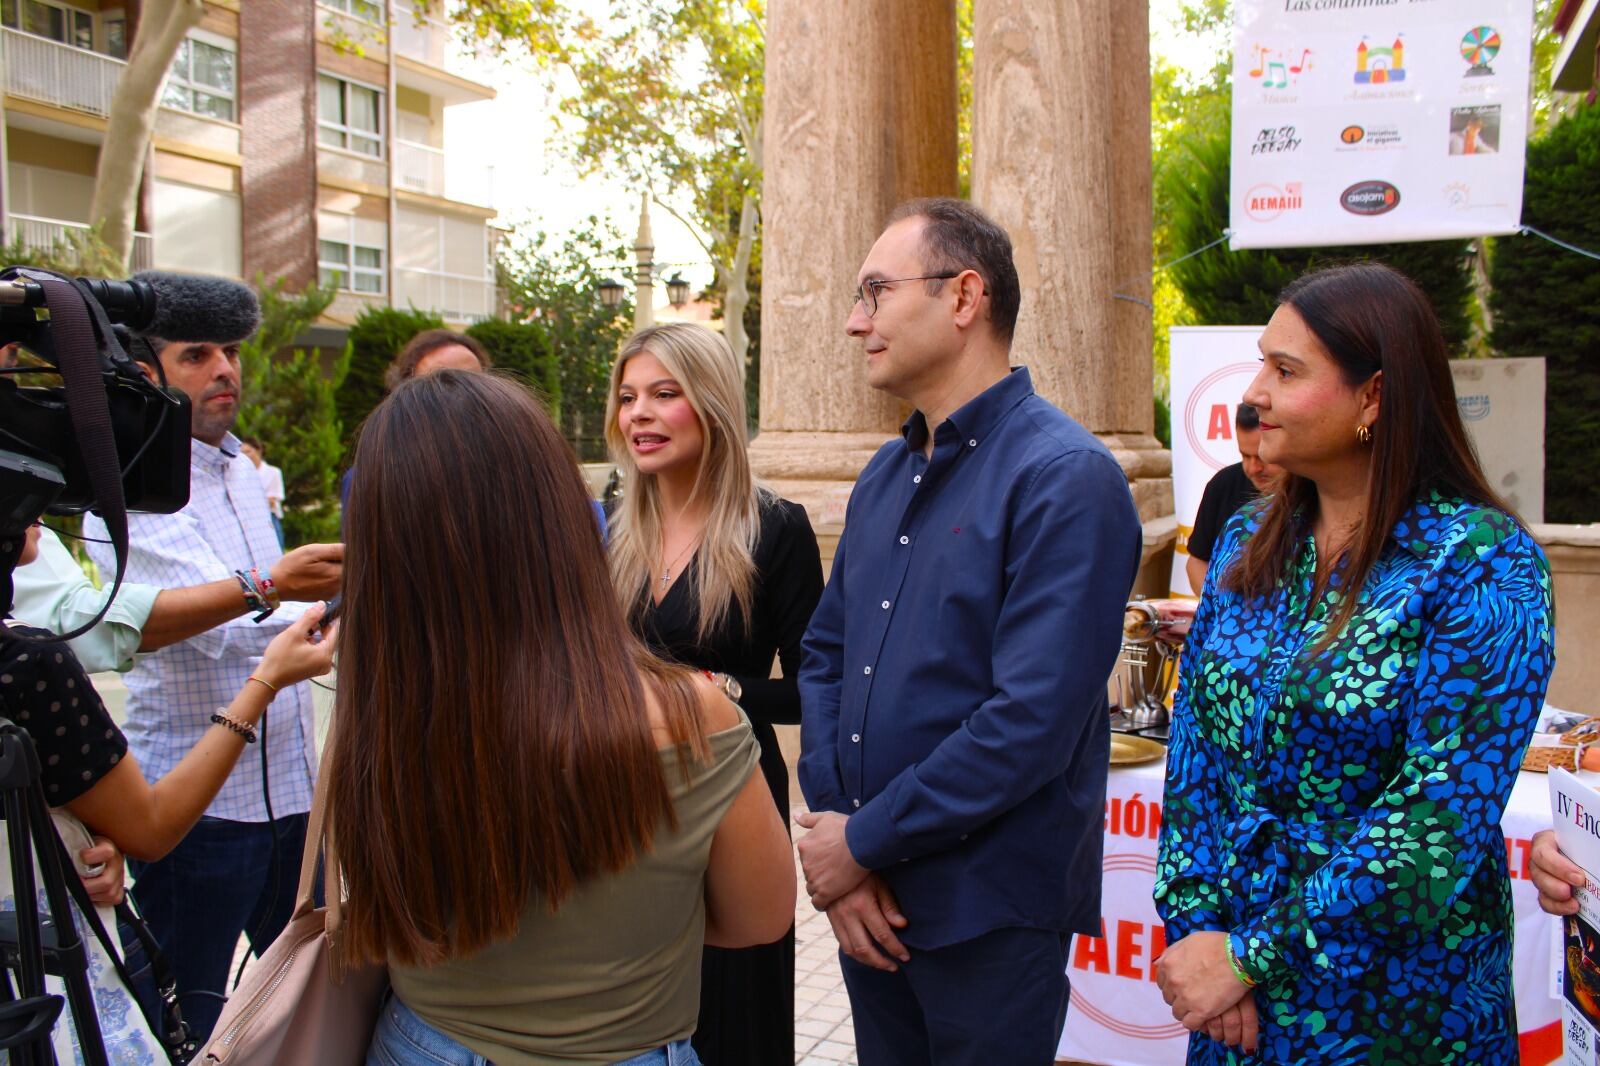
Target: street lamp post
x,y
644,250
644,276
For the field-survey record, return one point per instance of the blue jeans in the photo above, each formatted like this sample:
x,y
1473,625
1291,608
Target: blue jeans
x,y
220,881
403,1039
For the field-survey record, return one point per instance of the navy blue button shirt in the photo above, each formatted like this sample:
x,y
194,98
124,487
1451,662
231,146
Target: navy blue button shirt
x,y
953,685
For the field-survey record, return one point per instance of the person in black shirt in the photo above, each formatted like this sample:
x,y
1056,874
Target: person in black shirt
x,y
1229,489
720,574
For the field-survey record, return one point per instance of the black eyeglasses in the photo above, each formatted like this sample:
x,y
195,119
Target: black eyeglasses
x,y
867,292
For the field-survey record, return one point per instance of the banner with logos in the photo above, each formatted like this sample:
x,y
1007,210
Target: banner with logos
x,y
1365,121
1117,1016
1501,403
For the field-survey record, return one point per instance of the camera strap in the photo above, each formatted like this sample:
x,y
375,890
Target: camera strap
x,y
170,1028
77,347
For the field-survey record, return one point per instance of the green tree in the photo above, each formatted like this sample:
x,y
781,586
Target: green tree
x,y
77,254
1225,287
289,405
670,98
1546,302
522,350
551,284
375,338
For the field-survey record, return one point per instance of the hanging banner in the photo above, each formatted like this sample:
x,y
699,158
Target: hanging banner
x,y
1365,121
1501,403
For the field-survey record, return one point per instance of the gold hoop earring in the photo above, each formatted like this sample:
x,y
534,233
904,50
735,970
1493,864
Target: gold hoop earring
x,y
1363,434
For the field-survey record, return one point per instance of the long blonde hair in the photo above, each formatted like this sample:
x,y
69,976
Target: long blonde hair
x,y
704,366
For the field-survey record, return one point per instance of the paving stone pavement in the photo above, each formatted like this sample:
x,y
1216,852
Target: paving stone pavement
x,y
823,1033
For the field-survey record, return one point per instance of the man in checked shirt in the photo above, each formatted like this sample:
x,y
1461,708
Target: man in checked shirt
x,y
236,871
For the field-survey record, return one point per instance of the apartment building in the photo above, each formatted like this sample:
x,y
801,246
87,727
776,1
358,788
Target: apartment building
x,y
295,139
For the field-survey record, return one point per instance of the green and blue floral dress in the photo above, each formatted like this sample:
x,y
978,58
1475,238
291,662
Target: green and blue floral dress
x,y
1338,810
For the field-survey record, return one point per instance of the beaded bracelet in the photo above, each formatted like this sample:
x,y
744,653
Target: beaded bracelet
x,y
248,732
1238,970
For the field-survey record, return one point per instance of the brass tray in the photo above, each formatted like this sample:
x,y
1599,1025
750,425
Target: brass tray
x,y
1131,751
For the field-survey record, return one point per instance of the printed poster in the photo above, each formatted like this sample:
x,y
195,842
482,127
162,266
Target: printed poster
x,y
1575,812
1367,121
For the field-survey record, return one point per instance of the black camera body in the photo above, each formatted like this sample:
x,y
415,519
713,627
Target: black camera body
x,y
43,468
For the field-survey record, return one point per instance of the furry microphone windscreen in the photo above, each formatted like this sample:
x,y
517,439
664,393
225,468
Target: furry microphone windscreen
x,y
200,309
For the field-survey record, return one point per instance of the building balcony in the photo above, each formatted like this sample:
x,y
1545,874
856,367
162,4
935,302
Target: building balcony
x,y
58,74
421,168
45,233
456,297
427,58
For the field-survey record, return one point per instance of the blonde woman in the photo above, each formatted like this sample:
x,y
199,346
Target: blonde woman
x,y
717,573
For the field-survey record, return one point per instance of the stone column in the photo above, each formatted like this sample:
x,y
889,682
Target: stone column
x,y
860,115
1061,158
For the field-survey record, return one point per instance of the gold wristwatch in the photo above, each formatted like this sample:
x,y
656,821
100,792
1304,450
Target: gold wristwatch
x,y
729,685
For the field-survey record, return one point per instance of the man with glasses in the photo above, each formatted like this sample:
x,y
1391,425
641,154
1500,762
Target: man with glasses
x,y
955,734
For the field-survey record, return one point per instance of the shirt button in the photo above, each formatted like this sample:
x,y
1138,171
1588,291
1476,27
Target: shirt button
x,y
905,540
917,480
885,605
855,738
972,444
855,803
963,836
867,671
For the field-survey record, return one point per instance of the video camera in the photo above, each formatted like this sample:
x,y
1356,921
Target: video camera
x,y
105,438
42,463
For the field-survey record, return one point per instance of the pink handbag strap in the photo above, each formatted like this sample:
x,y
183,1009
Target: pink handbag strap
x,y
319,838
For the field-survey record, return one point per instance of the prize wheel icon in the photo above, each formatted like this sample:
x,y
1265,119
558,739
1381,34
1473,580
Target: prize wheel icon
x,y
1479,47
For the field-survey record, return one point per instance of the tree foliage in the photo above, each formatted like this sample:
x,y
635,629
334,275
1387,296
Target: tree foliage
x,y
1546,302
670,98
376,337
551,284
76,253
289,405
522,350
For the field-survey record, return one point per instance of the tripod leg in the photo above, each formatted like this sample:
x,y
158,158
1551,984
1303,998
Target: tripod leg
x,y
30,969
69,944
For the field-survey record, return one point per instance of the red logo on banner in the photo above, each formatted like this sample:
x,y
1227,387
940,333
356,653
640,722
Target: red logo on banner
x,y
1127,949
1221,390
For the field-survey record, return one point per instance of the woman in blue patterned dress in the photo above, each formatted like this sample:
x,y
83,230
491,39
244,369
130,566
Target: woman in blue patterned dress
x,y
1370,654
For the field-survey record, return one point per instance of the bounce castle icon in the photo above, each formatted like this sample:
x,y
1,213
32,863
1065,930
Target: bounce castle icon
x,y
1379,66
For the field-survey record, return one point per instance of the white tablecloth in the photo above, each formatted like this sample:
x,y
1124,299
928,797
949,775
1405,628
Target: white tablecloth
x,y
1117,1015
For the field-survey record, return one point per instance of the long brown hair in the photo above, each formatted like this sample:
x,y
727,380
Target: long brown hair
x,y
493,739
1371,319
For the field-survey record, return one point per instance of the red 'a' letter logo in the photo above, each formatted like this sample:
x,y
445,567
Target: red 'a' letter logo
x,y
1221,426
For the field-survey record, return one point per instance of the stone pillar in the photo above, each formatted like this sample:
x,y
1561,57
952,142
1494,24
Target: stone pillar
x,y
860,115
1061,158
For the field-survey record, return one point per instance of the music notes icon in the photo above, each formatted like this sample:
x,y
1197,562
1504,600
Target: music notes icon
x,y
1274,69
